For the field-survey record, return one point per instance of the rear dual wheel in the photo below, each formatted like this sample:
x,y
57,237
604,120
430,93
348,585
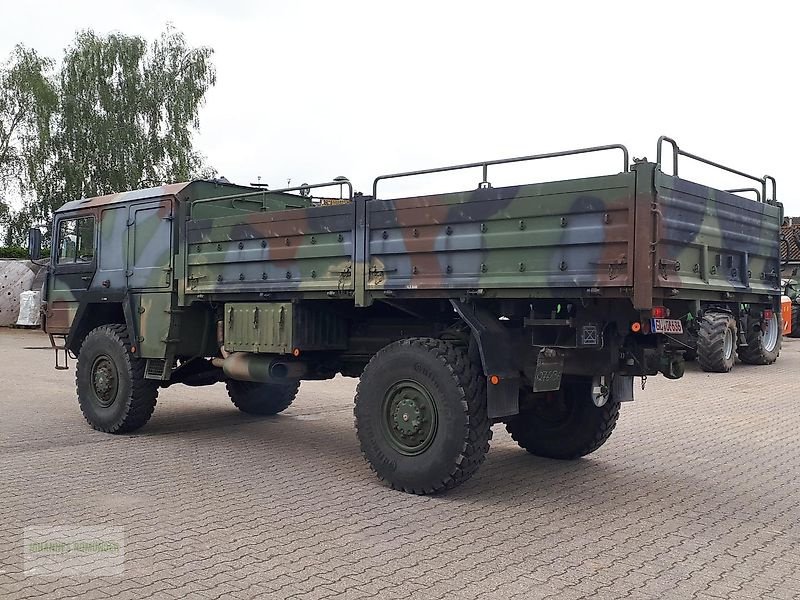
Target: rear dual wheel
x,y
716,342
261,398
565,424
763,343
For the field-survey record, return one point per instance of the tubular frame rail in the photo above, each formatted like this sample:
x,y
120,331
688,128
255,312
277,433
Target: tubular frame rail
x,y
486,164
676,152
306,187
756,191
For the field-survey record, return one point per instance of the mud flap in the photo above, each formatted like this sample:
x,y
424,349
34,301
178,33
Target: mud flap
x,y
622,388
495,349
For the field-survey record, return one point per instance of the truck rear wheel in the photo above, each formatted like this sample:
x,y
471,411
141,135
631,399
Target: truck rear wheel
x,y
261,398
763,347
716,342
420,415
795,333
565,424
113,394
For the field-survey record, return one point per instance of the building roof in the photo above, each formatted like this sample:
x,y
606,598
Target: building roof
x,y
790,240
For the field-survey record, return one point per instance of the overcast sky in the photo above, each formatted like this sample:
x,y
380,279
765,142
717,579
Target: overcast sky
x,y
312,90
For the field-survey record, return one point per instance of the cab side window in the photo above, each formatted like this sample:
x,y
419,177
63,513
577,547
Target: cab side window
x,y
76,241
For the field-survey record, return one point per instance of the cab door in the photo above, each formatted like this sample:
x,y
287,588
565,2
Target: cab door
x,y
73,267
150,245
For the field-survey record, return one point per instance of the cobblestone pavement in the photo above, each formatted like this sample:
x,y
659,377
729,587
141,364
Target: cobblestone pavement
x,y
696,495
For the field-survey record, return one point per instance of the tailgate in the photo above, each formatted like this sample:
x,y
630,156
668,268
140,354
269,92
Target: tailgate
x,y
708,239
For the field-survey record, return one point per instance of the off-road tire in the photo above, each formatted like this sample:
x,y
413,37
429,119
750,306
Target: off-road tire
x,y
795,333
261,398
582,430
131,403
456,393
712,353
755,353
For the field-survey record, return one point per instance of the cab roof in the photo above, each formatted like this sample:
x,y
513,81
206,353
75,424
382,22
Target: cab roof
x,y
183,191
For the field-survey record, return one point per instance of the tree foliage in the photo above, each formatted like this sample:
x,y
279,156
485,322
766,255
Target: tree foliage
x,y
27,102
117,114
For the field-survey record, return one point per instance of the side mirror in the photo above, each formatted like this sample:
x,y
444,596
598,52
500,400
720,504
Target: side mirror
x,y
34,243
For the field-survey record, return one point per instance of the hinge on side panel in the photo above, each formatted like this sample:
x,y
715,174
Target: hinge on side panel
x,y
667,264
193,279
344,275
615,267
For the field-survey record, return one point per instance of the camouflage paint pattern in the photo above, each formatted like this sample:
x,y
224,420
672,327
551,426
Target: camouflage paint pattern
x,y
299,249
711,240
638,234
573,234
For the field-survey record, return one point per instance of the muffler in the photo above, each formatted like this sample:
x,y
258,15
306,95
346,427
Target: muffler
x,y
263,368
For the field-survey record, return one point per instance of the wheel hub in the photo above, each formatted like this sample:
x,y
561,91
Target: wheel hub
x,y
410,418
407,417
104,381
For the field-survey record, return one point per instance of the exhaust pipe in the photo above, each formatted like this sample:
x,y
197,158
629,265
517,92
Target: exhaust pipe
x,y
263,368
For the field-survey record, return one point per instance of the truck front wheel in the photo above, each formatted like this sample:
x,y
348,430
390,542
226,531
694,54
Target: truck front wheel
x,y
716,342
261,398
113,394
420,414
565,424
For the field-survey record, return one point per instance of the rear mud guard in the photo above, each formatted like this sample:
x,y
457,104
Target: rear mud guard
x,y
495,349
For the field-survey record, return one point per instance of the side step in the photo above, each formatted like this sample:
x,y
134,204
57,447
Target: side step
x,y
62,347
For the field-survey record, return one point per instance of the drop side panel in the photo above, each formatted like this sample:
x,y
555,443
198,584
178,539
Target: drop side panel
x,y
707,239
303,250
567,234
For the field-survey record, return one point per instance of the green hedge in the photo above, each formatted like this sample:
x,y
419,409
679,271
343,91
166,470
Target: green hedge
x,y
20,253
13,252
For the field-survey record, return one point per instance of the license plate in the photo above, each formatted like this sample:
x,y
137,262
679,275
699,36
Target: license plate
x,y
666,326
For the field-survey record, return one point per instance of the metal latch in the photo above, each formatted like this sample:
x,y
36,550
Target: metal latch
x,y
667,264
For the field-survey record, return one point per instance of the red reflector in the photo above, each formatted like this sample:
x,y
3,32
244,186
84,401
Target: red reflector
x,y
659,312
768,314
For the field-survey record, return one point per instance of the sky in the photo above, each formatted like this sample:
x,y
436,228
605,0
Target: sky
x,y
310,90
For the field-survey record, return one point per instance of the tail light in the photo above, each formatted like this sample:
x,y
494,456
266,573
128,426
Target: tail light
x,y
659,312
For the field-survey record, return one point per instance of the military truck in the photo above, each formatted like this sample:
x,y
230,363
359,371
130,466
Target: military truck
x,y
531,305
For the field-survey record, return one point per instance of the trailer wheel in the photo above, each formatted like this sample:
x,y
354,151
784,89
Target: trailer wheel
x,y
261,398
716,342
565,424
795,332
113,394
420,415
763,347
